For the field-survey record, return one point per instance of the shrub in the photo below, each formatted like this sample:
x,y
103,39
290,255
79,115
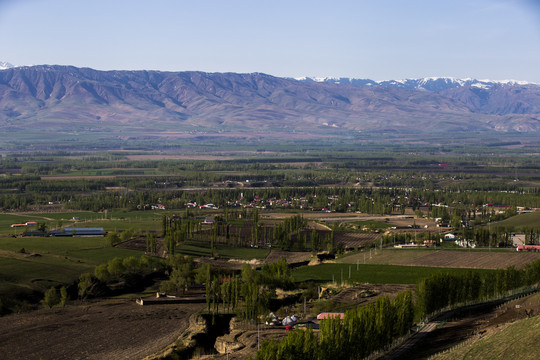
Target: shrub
x,y
51,298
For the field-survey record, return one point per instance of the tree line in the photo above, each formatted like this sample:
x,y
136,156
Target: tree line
x,y
445,289
362,331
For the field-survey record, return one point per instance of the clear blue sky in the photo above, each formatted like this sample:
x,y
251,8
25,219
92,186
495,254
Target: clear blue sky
x,y
377,39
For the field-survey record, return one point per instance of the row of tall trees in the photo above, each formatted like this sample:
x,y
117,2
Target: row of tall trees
x,y
495,236
445,289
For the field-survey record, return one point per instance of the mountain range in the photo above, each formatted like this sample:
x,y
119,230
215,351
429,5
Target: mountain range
x,y
67,99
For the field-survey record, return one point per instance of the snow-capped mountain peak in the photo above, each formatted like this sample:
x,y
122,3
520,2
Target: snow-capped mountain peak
x,y
432,84
5,65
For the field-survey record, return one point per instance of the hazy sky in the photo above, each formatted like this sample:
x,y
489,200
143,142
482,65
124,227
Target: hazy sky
x,y
377,39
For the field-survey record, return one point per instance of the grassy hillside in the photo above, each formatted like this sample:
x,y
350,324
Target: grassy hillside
x,y
519,340
50,261
522,220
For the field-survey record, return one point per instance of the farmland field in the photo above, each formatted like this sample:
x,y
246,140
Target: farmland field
x,y
522,220
110,221
94,330
373,274
473,259
198,248
353,240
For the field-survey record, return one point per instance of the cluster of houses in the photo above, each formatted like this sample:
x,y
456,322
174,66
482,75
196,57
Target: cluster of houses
x,y
290,321
151,207
255,203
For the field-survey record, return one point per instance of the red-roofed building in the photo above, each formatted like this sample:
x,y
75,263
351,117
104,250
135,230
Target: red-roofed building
x,y
330,315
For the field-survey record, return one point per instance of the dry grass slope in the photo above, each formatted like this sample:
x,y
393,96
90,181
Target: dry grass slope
x,y
519,340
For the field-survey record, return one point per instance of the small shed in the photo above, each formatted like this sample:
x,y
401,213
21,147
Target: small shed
x,y
449,237
78,232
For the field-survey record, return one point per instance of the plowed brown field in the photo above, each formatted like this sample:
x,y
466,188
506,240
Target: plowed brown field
x,y
446,258
476,260
101,330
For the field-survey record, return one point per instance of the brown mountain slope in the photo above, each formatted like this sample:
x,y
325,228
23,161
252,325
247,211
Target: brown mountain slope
x,y
64,98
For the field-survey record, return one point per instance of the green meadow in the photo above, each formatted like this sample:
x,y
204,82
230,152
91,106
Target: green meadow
x,y
110,221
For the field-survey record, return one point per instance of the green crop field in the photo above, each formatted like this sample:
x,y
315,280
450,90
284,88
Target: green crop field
x,y
55,245
522,220
110,221
117,225
374,274
197,248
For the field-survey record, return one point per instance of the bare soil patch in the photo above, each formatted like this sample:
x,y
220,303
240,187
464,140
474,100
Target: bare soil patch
x,y
97,330
291,257
474,259
90,177
77,177
231,264
275,255
139,244
155,157
356,240
366,293
311,215
421,222
249,337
